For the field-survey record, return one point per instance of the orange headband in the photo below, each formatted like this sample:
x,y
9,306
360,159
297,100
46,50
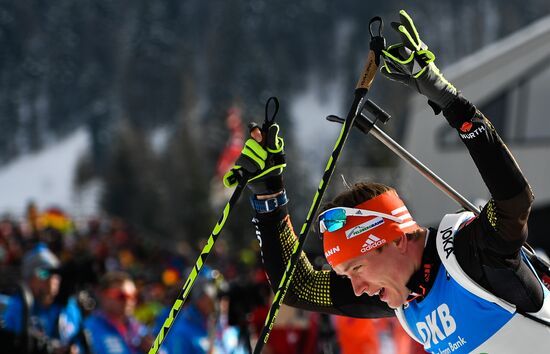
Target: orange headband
x,y
363,234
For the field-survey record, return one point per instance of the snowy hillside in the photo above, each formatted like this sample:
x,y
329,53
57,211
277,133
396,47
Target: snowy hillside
x,y
45,178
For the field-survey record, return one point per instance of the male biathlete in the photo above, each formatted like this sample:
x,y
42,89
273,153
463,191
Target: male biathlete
x,y
463,287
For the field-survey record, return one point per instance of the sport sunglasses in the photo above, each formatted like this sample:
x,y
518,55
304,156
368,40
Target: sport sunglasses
x,y
334,219
43,273
120,295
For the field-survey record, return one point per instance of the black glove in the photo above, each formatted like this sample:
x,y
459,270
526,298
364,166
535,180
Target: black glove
x,y
261,162
412,64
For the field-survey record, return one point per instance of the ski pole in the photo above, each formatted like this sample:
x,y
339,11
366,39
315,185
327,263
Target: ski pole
x,y
364,124
377,43
367,126
180,300
242,179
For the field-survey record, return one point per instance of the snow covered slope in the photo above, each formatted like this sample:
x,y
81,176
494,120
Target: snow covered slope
x,y
45,177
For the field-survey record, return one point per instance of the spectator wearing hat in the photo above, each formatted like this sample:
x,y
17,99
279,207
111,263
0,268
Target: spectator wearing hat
x,y
36,314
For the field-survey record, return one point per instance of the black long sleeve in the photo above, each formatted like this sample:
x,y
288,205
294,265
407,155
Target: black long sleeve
x,y
488,249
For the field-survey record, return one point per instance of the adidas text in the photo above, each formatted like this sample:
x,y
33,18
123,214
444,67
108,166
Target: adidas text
x,y
371,243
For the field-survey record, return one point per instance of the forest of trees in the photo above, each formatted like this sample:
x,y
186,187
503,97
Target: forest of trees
x,y
124,69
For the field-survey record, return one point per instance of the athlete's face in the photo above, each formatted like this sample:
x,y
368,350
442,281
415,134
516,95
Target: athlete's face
x,y
383,273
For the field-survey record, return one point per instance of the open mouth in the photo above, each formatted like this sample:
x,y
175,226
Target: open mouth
x,y
380,292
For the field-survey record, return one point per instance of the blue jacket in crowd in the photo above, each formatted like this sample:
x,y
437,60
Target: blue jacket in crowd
x,y
57,321
189,334
105,338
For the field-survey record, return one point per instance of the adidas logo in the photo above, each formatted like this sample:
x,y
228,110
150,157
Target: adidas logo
x,y
364,227
372,242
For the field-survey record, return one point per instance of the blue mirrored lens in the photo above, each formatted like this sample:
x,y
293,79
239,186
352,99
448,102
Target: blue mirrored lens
x,y
43,274
334,219
332,225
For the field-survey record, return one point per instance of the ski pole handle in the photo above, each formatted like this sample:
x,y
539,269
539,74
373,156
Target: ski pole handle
x,y
373,60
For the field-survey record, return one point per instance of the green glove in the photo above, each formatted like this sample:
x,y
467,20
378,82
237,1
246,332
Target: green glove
x,y
262,163
412,64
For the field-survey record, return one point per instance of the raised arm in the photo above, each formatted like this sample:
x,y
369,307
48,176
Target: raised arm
x,y
505,215
488,248
263,159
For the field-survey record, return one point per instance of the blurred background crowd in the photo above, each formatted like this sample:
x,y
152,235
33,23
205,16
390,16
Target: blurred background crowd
x,y
96,286
162,91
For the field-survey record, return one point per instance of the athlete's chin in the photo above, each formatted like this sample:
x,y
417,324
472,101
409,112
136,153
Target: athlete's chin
x,y
395,304
394,301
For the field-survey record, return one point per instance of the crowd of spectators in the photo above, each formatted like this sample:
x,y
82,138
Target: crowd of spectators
x,y
98,287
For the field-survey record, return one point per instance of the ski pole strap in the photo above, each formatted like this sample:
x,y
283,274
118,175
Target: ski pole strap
x,y
268,121
377,44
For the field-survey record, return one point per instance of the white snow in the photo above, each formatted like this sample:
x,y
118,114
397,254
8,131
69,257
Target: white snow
x,y
45,177
314,134
159,139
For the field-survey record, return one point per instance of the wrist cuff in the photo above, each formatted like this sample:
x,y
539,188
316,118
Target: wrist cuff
x,y
268,205
459,111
